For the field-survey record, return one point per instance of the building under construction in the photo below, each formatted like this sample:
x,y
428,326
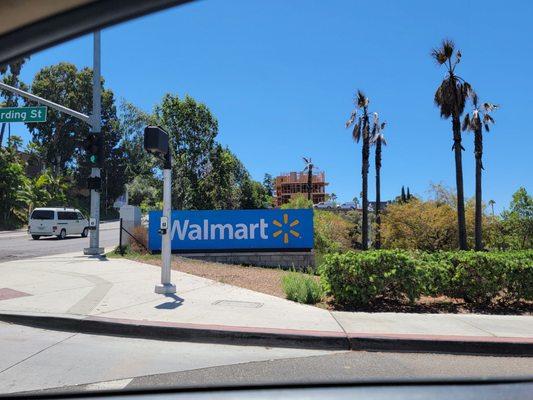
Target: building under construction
x,y
291,184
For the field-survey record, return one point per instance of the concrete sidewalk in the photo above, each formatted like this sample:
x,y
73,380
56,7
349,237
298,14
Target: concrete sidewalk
x,y
115,296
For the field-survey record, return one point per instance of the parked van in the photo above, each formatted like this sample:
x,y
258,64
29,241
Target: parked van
x,y
58,222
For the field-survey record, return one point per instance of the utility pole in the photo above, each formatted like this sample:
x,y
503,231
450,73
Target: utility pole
x,y
166,286
156,142
96,127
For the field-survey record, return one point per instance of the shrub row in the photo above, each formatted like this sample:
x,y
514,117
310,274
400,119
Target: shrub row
x,y
359,278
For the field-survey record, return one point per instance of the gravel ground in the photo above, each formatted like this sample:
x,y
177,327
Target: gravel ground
x,y
264,280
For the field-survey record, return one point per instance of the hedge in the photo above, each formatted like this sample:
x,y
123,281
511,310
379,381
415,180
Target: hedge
x,y
360,278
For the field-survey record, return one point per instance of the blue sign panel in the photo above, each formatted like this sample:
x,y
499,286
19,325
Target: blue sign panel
x,y
274,229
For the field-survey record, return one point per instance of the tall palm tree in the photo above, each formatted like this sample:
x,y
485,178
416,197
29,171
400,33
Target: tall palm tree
x,y
378,140
451,97
491,204
480,119
360,130
309,168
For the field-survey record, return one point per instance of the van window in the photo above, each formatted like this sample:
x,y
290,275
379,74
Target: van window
x,y
42,214
80,216
66,215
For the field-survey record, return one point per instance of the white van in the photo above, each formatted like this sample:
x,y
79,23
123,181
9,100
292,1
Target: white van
x,y
60,222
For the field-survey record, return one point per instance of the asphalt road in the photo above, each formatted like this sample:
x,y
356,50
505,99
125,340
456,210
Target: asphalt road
x,y
43,360
20,245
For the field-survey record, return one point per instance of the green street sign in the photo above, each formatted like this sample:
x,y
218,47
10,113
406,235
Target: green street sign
x,y
23,114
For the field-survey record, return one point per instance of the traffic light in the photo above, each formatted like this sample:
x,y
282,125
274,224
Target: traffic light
x,y
94,183
94,149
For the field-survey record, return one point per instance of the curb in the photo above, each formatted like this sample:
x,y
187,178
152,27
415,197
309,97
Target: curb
x,y
183,332
273,337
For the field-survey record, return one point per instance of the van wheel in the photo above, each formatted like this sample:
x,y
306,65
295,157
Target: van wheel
x,y
62,234
85,232
35,237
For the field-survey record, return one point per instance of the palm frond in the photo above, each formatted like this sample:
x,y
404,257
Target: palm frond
x,y
351,119
305,160
356,133
466,122
362,100
488,107
448,47
488,118
439,56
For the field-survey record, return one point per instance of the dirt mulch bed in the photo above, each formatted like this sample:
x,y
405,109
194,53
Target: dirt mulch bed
x,y
264,280
443,304
268,280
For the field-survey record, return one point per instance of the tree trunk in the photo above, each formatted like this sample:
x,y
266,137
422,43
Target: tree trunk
x,y
2,130
478,144
364,173
309,182
459,182
377,244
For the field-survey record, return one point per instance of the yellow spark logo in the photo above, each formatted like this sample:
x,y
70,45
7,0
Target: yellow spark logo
x,y
284,227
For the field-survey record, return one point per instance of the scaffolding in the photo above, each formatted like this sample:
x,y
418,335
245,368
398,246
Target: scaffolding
x,y
291,184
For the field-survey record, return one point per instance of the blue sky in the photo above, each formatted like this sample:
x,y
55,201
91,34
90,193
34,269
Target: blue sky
x,y
280,78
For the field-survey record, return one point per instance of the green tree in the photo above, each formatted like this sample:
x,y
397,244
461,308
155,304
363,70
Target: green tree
x,y
360,130
519,220
192,129
14,186
377,139
298,201
145,191
10,76
268,184
59,140
451,97
49,190
136,161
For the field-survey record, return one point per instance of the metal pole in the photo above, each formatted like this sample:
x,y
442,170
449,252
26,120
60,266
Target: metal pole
x,y
166,286
120,239
96,126
44,102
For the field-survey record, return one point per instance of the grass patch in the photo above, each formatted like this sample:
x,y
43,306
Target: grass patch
x,y
301,288
132,254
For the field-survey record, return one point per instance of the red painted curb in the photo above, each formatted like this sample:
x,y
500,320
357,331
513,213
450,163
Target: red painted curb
x,y
275,337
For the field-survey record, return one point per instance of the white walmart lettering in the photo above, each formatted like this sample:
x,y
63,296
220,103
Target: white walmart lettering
x,y
206,231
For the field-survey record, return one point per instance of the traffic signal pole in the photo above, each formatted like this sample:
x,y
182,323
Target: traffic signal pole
x,y
96,127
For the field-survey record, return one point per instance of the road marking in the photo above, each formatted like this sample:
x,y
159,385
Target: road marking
x,y
108,385
91,300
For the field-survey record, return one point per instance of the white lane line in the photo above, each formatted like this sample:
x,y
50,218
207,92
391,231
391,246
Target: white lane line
x,y
108,385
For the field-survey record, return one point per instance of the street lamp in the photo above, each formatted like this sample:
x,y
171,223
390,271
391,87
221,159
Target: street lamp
x,y
156,142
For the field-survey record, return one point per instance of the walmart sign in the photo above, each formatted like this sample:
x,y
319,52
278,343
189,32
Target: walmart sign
x,y
235,230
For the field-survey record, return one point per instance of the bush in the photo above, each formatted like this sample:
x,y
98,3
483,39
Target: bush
x,y
359,278
301,288
331,232
141,234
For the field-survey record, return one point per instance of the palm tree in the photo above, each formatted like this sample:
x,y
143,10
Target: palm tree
x,y
491,204
480,119
450,97
309,168
378,140
361,129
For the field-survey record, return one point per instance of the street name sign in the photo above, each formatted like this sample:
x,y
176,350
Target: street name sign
x,y
23,114
221,230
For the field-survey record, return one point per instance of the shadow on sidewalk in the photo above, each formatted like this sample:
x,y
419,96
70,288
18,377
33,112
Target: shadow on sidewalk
x,y
171,305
